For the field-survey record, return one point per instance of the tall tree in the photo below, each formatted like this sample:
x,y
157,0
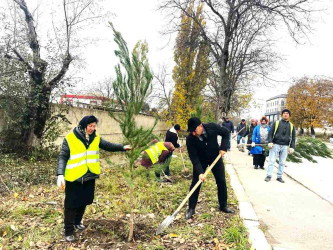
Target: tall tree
x,y
44,65
132,87
239,35
311,103
192,64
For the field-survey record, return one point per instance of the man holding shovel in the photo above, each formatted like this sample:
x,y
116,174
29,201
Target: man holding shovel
x,y
202,149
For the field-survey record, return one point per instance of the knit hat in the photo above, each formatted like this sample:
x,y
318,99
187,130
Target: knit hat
x,y
87,120
286,110
193,123
177,127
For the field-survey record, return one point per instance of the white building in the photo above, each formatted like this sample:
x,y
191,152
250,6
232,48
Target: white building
x,y
274,106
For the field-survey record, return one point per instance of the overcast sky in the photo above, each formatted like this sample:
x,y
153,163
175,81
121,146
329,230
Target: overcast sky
x,y
139,20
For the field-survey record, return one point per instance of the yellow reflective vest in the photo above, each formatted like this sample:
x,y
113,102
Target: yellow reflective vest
x,y
81,159
155,151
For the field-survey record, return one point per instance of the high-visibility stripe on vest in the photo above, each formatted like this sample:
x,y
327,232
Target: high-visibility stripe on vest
x,y
155,151
291,129
81,159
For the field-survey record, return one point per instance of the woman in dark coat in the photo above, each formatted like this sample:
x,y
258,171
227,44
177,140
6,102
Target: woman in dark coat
x,y
260,136
249,132
78,168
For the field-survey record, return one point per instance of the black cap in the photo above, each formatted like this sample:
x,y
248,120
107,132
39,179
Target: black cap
x,y
87,120
177,127
286,110
193,123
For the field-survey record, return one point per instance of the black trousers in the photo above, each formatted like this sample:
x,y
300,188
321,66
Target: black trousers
x,y
259,159
219,174
73,216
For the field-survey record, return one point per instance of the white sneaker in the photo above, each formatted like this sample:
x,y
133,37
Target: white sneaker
x,y
80,227
70,238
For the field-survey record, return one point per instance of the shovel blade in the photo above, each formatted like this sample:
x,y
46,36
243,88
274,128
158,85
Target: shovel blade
x,y
167,221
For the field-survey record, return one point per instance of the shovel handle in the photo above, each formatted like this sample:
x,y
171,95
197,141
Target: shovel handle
x,y
257,144
196,185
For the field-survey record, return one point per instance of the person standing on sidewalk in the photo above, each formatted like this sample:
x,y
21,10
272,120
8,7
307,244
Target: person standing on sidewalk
x,y
203,149
230,126
241,130
249,132
260,136
281,141
78,168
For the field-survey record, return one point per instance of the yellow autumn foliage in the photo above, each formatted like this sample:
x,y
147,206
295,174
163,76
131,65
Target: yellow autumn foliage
x,y
311,102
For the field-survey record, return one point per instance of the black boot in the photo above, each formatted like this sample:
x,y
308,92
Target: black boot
x,y
189,213
227,210
256,167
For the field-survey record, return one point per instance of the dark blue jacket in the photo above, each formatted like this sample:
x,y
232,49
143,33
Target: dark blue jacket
x,y
229,125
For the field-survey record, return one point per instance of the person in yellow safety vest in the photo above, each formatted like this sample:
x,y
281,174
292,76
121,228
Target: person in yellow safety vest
x,y
78,168
281,141
158,155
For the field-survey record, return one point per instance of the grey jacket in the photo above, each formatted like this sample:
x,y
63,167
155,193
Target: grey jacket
x,y
282,135
65,153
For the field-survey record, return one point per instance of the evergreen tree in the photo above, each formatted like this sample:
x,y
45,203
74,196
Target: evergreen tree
x,y
132,87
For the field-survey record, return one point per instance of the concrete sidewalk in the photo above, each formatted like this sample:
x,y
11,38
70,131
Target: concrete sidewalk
x,y
290,215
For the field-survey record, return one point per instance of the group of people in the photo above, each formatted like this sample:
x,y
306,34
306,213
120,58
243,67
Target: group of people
x,y
79,164
279,137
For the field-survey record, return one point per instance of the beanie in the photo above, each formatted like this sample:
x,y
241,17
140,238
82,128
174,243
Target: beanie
x,y
286,110
87,120
193,123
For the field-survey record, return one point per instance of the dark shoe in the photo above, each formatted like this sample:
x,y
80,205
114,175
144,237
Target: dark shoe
x,y
256,167
261,167
80,227
268,178
70,238
227,210
280,179
189,213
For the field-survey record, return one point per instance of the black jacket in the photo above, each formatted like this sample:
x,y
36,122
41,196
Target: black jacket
x,y
172,136
65,153
229,125
203,153
240,127
282,135
249,132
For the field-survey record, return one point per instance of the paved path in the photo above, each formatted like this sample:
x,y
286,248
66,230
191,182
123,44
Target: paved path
x,y
291,216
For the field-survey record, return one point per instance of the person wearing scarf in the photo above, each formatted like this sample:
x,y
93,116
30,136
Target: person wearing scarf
x,y
78,168
259,136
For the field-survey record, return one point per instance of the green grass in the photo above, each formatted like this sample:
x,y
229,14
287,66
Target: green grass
x,y
39,223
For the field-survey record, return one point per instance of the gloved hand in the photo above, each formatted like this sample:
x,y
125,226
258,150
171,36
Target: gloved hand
x,y
127,147
290,150
270,145
253,144
61,182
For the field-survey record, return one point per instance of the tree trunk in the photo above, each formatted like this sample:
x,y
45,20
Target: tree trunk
x,y
313,133
37,113
131,220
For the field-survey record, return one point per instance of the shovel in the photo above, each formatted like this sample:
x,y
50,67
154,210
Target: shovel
x,y
185,170
168,220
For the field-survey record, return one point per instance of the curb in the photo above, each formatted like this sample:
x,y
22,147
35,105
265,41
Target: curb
x,y
247,213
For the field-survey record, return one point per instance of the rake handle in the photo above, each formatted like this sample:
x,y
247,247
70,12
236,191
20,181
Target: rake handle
x,y
196,186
